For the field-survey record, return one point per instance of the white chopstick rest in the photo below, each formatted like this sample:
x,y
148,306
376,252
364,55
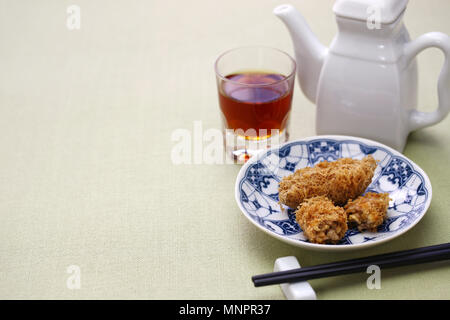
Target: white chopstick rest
x,y
297,290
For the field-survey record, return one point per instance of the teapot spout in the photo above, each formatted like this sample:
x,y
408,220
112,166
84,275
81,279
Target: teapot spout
x,y
309,52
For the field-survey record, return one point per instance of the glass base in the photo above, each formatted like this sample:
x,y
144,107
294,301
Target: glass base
x,y
241,148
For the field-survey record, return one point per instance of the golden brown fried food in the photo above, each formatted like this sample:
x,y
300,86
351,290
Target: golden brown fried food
x,y
321,221
367,212
339,180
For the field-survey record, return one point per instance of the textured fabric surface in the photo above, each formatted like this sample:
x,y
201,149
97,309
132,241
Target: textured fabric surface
x,y
86,178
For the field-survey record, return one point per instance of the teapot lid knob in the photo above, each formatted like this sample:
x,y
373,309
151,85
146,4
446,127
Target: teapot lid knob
x,y
389,10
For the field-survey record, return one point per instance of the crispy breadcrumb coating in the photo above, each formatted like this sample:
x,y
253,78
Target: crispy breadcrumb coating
x,y
321,221
367,212
339,180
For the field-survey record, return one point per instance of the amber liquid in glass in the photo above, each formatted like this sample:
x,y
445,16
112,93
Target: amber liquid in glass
x,y
246,106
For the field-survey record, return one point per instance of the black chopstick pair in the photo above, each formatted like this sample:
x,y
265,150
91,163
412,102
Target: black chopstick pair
x,y
387,260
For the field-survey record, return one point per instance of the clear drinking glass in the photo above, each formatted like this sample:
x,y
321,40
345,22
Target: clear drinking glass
x,y
255,86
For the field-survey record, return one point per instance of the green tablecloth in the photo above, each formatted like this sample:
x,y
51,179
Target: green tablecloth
x,y
86,178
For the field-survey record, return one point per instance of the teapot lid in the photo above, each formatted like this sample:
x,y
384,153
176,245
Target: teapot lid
x,y
389,10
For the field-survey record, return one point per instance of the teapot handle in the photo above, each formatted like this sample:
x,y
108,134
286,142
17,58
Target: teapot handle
x,y
441,41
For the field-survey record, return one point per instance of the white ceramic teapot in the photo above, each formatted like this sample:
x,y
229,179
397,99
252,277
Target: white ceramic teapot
x,y
365,84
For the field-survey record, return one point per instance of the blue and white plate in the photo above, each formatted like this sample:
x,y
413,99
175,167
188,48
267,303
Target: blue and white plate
x,y
256,189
